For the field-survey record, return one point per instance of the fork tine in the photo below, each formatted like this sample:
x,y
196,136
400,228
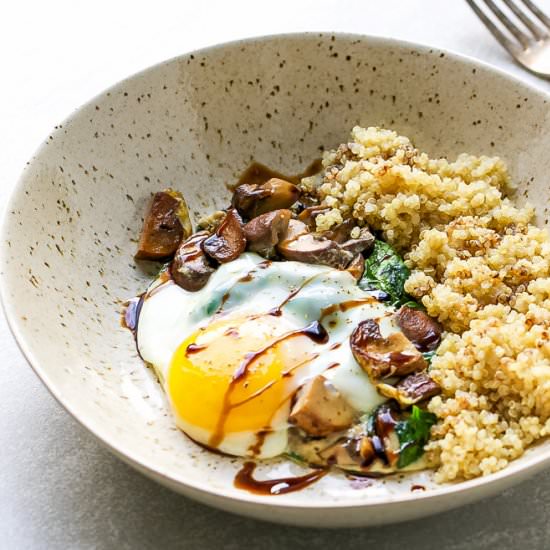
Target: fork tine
x,y
542,17
521,37
510,46
537,32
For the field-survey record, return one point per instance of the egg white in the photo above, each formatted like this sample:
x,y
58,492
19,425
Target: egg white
x,y
170,314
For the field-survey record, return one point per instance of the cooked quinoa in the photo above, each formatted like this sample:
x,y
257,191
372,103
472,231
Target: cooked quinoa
x,y
479,266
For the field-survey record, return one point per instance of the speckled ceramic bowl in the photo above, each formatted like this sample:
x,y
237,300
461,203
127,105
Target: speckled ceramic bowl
x,y
195,122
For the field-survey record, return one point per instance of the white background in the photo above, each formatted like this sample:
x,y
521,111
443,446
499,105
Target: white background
x,y
58,487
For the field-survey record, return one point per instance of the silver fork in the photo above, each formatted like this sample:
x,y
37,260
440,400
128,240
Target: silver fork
x,y
527,38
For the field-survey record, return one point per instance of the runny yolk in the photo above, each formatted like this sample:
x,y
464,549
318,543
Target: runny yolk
x,y
234,376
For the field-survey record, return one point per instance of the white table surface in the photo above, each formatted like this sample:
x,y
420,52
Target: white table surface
x,y
58,487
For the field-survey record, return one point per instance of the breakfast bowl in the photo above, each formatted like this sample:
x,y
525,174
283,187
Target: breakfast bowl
x,y
195,123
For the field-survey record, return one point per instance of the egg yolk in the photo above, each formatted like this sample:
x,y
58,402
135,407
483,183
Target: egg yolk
x,y
237,375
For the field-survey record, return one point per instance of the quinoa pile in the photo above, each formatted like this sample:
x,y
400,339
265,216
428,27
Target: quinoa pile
x,y
477,265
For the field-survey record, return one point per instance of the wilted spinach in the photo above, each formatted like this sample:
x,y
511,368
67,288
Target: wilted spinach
x,y
413,434
385,271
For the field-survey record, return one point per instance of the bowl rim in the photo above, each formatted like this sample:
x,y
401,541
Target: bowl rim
x,y
528,465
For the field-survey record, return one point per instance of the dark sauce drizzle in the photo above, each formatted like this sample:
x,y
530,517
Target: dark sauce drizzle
x,y
277,311
344,306
256,447
194,348
245,480
244,279
260,438
257,173
315,331
290,372
194,251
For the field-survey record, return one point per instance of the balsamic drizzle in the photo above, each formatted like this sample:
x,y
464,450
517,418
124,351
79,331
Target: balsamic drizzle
x,y
315,331
344,306
277,311
245,480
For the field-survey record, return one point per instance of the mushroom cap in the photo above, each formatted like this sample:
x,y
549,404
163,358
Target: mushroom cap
x,y
266,230
251,200
228,242
190,267
312,249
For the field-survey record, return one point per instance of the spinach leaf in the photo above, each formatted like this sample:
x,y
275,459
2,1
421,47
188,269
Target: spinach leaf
x,y
386,271
413,434
413,305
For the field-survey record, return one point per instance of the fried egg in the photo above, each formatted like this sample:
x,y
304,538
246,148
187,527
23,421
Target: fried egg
x,y
232,355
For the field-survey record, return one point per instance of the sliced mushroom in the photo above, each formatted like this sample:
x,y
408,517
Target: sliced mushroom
x,y
411,389
362,243
283,194
308,447
371,452
274,194
371,448
309,215
302,246
359,456
341,232
321,409
228,242
344,454
311,249
265,231
246,196
190,267
423,331
380,356
357,267
355,452
166,224
294,230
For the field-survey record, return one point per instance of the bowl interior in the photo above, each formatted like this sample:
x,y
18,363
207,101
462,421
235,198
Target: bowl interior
x,y
195,123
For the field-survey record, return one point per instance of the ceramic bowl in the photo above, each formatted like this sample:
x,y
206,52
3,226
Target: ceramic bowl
x,y
195,122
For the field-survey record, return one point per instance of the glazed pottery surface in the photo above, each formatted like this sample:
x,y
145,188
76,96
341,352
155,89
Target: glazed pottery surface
x,y
195,123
